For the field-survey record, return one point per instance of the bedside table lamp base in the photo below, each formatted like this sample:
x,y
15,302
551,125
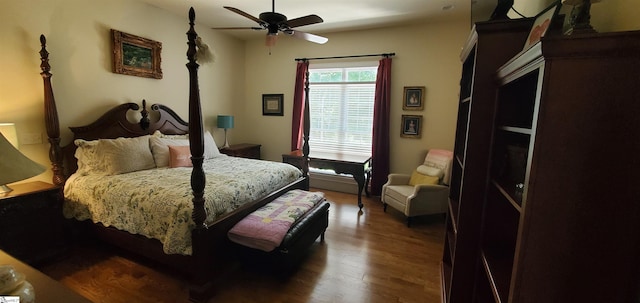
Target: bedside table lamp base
x,y
226,142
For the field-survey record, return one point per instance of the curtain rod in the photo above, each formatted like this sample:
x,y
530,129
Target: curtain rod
x,y
342,57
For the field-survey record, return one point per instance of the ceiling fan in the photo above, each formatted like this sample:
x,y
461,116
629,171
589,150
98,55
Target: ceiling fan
x,y
275,22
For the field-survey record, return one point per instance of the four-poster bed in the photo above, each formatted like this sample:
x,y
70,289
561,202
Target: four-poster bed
x,y
210,247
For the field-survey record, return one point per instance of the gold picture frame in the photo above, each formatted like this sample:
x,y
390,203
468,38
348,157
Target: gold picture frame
x,y
411,126
136,56
413,98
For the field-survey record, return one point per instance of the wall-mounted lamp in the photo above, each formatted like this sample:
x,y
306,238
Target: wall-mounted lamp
x,y
13,164
225,122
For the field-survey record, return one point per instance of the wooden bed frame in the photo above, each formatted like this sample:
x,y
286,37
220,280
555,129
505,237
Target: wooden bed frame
x,y
211,248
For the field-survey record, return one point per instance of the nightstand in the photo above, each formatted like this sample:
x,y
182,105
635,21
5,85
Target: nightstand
x,y
244,150
31,222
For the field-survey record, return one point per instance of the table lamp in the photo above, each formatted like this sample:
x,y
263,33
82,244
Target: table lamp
x,y
13,164
225,122
579,20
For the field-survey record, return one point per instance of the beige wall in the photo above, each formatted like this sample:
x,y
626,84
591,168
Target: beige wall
x,y
79,42
426,55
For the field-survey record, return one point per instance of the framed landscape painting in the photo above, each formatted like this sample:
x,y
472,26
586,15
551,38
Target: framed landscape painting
x,y
136,56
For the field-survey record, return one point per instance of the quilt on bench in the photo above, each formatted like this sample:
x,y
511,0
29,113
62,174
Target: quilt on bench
x,y
265,228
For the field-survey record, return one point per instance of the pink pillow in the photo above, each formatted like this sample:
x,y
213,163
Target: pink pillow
x,y
179,156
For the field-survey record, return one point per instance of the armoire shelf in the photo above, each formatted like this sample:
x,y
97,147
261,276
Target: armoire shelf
x,y
490,45
559,219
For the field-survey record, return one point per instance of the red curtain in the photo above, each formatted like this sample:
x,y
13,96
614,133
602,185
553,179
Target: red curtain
x,y
380,146
298,105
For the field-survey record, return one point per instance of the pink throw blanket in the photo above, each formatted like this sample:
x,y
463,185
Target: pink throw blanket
x,y
265,228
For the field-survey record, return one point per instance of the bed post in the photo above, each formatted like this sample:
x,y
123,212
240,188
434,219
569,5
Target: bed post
x,y
306,125
51,116
200,286
196,141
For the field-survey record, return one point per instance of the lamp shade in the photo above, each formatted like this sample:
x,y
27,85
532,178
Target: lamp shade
x,y
8,130
225,121
14,165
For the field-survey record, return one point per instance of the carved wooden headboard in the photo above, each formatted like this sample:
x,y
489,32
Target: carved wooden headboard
x,y
114,124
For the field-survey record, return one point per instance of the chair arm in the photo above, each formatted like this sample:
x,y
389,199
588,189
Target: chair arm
x,y
398,179
422,189
428,198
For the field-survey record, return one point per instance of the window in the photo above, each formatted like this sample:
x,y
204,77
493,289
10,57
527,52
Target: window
x,y
341,107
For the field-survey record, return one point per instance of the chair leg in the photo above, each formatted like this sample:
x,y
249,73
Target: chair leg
x,y
408,221
384,207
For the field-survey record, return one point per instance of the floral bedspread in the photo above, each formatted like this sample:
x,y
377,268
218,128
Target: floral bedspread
x,y
156,203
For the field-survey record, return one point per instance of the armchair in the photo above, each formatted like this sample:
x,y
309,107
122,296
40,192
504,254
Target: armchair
x,y
425,191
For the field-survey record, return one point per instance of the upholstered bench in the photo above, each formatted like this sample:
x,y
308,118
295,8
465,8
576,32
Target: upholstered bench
x,y
281,232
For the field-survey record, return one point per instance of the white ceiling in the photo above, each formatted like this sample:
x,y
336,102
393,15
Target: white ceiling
x,y
338,15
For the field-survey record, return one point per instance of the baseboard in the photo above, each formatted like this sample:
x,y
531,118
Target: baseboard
x,y
332,181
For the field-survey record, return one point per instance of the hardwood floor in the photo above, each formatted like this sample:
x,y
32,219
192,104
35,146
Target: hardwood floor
x,y
366,257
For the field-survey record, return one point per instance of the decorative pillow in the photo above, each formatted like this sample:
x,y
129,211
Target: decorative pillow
x,y
418,178
430,171
160,148
179,156
114,156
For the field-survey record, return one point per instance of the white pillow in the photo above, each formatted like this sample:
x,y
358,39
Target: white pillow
x,y
430,171
159,134
114,156
160,148
210,146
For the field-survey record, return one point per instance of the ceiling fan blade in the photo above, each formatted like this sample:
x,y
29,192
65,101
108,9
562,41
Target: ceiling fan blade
x,y
239,12
246,27
306,20
306,36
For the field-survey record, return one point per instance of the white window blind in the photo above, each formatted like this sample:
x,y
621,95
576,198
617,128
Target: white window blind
x,y
341,107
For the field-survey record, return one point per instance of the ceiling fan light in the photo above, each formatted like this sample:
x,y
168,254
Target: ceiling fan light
x,y
271,39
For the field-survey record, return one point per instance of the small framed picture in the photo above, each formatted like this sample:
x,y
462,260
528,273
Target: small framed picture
x,y
541,25
413,98
411,126
272,104
136,56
